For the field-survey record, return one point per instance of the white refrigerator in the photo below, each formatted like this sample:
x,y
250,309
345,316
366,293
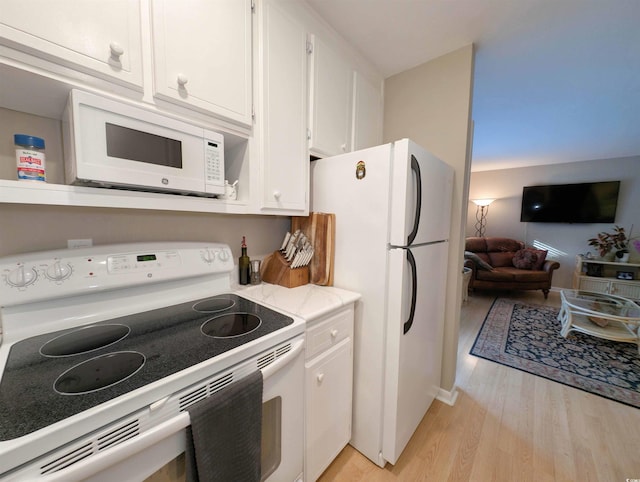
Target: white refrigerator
x,y
393,207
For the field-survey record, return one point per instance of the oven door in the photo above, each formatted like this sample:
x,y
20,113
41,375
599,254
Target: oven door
x,y
157,454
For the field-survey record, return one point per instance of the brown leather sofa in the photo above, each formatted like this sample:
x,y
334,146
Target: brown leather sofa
x,y
506,264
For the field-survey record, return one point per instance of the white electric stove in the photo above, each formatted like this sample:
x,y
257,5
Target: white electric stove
x,y
104,348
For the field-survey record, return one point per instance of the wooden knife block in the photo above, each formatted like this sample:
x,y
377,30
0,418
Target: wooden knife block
x,y
278,272
320,229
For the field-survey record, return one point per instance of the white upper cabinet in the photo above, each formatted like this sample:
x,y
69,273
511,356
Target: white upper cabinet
x,y
331,100
98,37
367,113
276,80
202,55
282,111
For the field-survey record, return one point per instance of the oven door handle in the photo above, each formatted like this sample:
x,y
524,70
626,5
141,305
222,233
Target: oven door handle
x,y
94,464
296,348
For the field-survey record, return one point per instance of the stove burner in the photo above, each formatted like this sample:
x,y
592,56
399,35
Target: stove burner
x,y
233,324
100,372
84,340
212,305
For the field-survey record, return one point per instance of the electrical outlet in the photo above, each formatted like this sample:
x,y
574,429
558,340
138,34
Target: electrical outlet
x,y
79,243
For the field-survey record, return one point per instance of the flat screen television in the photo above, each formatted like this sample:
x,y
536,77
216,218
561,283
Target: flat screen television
x,y
591,202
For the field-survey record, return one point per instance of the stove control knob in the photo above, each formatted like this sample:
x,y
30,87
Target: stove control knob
x,y
224,255
58,271
21,276
208,256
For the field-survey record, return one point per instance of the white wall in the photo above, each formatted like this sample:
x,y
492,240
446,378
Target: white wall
x,y
564,240
431,104
25,228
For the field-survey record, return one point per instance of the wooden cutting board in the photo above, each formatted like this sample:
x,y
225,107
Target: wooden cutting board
x,y
320,229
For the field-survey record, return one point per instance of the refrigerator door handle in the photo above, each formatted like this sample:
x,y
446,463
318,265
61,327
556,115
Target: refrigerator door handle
x,y
414,290
415,167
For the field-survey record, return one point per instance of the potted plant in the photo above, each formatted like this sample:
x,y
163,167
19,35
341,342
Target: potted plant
x,y
616,242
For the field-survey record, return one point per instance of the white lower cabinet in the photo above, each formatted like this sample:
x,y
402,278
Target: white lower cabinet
x,y
328,390
626,289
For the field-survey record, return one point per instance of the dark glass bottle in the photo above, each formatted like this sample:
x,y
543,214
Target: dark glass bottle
x,y
244,267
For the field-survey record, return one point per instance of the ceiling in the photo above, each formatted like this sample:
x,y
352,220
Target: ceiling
x,y
555,80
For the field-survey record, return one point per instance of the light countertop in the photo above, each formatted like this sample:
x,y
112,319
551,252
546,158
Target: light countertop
x,y
308,301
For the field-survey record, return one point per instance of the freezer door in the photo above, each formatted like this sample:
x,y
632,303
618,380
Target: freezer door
x,y
415,324
421,195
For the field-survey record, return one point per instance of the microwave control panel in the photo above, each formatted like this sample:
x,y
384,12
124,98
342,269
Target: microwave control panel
x,y
214,162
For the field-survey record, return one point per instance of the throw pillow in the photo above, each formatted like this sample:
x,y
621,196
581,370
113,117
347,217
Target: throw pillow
x,y
481,263
542,256
525,259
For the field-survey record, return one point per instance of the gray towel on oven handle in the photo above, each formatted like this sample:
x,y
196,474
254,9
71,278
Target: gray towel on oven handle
x,y
224,439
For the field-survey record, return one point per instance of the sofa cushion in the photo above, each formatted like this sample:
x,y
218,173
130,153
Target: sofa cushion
x,y
481,263
529,276
500,259
498,274
525,259
510,274
503,245
477,245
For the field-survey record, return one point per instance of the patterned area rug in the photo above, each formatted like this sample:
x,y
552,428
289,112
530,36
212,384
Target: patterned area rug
x,y
527,337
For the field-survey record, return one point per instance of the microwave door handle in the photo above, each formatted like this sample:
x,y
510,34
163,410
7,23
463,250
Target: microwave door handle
x,y
415,168
414,291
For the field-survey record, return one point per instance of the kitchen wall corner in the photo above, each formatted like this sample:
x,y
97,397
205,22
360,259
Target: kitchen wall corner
x,y
431,104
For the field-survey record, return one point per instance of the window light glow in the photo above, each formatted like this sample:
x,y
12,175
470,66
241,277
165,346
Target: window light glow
x,y
553,252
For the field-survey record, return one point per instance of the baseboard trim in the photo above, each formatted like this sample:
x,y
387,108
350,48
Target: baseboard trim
x,y
448,397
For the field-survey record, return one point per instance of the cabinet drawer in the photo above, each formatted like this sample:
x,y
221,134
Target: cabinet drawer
x,y
325,334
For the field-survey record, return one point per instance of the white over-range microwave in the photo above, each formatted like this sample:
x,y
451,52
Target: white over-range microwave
x,y
108,143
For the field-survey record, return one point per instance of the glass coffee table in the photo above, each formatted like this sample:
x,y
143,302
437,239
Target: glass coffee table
x,y
602,315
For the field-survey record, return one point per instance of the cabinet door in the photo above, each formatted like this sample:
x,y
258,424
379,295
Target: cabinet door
x,y
331,101
626,289
101,37
367,111
202,55
594,284
328,391
281,115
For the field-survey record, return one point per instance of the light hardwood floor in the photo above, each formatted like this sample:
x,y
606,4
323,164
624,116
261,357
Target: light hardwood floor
x,y
508,425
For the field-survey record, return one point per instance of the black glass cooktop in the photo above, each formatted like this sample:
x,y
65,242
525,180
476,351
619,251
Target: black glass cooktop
x,y
51,377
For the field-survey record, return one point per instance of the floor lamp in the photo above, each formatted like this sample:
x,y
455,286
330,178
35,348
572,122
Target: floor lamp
x,y
482,208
